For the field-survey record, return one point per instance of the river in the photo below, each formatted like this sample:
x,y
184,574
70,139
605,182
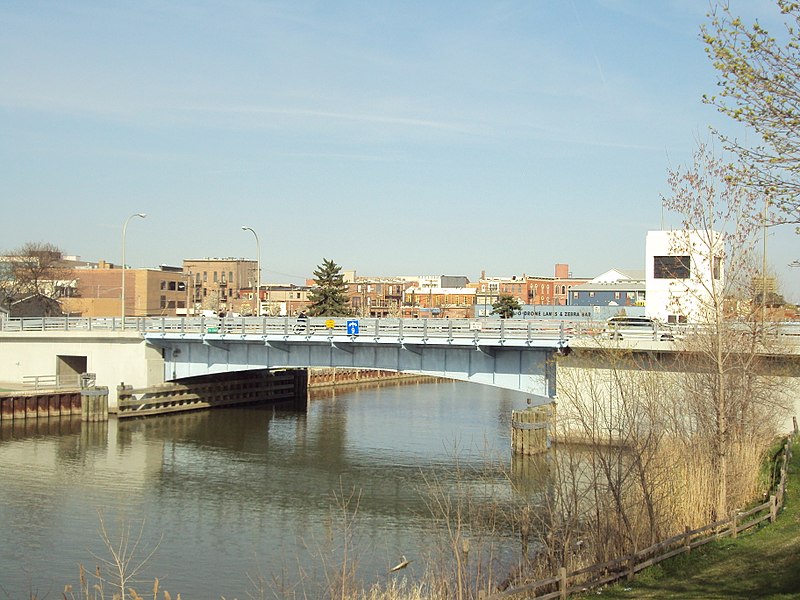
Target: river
x,y
227,497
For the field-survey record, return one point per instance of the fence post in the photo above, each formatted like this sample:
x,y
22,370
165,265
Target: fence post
x,y
687,539
562,584
773,508
733,525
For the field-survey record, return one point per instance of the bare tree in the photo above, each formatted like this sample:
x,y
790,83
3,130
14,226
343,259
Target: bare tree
x,y
759,86
672,439
35,268
726,382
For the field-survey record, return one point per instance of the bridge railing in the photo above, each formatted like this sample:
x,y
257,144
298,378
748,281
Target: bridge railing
x,y
318,327
314,327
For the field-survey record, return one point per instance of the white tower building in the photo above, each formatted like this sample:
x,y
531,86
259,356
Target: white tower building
x,y
684,274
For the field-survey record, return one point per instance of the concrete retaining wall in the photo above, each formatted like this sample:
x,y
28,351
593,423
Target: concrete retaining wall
x,y
113,356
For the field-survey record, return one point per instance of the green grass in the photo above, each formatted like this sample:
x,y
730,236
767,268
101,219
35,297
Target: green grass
x,y
764,563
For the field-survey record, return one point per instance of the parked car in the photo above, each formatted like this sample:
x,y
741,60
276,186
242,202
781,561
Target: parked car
x,y
637,327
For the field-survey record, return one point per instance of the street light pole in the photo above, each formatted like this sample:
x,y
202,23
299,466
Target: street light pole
x,y
124,230
258,267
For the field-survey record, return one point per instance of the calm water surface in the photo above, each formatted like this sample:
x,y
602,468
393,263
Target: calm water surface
x,y
229,495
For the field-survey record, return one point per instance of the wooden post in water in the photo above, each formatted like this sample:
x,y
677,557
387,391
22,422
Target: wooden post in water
x,y
94,404
530,430
300,390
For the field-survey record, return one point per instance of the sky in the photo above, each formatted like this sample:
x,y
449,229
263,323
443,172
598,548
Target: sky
x,y
394,138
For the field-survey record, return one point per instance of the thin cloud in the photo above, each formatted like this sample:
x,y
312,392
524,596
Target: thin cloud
x,y
341,116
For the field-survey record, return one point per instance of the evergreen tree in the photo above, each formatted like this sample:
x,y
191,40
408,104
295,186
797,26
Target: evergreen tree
x,y
506,306
329,297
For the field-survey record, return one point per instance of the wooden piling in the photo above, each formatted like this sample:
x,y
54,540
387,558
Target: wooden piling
x,y
300,390
94,404
530,429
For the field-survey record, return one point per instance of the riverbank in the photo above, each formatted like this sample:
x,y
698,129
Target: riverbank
x,y
761,564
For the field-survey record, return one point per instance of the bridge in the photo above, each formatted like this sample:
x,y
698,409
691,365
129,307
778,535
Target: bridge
x,y
510,354
143,351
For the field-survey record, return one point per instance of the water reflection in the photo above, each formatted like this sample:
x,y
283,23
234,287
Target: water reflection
x,y
232,492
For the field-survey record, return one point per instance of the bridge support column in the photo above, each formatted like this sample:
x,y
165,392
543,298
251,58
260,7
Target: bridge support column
x,y
300,402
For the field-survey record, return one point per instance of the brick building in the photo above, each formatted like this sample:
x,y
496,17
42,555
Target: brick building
x,y
376,296
217,283
148,292
437,302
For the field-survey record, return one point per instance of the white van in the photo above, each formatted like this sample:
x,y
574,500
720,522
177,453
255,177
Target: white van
x,y
621,327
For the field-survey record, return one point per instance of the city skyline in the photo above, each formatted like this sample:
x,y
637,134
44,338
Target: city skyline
x,y
420,138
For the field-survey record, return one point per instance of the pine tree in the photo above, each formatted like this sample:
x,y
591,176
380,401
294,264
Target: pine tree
x,y
329,296
506,306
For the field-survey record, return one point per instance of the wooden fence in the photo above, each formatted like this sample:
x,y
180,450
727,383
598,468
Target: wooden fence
x,y
288,386
581,580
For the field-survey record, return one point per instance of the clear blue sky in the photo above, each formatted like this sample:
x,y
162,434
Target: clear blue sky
x,y
395,138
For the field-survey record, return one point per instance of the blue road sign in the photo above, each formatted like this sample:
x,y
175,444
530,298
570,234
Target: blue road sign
x,y
352,327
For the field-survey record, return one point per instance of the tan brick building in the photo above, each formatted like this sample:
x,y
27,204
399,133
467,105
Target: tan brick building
x,y
148,292
377,296
436,302
217,283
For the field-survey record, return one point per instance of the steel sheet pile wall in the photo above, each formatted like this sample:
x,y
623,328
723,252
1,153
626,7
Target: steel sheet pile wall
x,y
39,405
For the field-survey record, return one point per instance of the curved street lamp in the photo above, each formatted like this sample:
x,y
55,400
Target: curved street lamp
x,y
258,269
124,230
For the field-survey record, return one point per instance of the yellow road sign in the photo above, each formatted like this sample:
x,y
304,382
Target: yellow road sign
x,y
330,323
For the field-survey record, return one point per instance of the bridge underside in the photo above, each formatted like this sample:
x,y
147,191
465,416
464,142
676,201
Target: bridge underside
x,y
525,369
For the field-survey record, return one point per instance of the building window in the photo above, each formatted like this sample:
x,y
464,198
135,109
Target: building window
x,y
205,276
563,289
163,285
716,268
172,286
230,276
181,286
216,277
591,294
671,267
576,294
163,302
616,295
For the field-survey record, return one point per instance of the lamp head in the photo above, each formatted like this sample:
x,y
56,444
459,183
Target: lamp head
x,y
143,215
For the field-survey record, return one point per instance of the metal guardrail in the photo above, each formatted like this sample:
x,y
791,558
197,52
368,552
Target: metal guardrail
x,y
319,327
315,327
